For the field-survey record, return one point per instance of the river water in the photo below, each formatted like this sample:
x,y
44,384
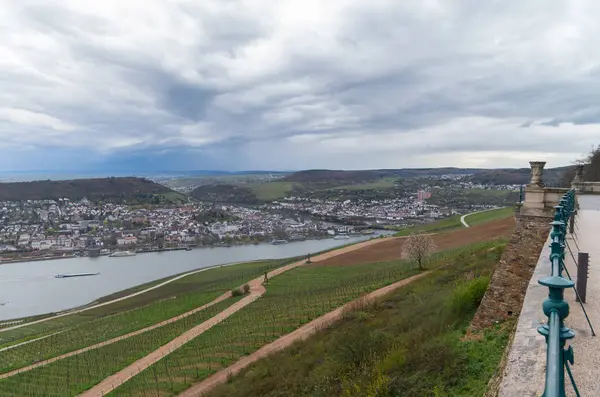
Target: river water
x,y
30,288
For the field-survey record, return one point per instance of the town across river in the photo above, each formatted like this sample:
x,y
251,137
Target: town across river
x,y
31,288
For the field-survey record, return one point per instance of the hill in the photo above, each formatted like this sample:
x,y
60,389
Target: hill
x,y
117,190
517,176
225,193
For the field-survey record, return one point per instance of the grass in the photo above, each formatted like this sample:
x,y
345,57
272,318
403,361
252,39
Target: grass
x,y
269,191
443,225
488,216
409,343
292,299
73,375
117,319
383,183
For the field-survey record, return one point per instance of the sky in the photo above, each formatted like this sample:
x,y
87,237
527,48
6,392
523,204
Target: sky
x,y
136,85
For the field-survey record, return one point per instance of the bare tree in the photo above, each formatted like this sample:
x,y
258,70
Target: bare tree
x,y
419,247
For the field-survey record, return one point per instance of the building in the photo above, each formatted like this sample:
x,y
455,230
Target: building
x,y
423,195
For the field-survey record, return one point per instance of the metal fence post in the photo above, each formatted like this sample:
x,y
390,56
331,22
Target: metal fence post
x,y
582,274
555,307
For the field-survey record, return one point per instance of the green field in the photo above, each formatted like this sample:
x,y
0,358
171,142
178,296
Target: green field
x,y
292,299
443,225
97,325
383,183
409,343
269,191
487,216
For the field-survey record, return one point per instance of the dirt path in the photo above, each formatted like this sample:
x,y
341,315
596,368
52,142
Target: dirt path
x,y
256,291
285,341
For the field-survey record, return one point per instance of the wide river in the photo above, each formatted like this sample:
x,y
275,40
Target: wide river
x,y
30,288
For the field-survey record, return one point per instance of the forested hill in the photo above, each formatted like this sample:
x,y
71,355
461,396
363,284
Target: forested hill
x,y
117,190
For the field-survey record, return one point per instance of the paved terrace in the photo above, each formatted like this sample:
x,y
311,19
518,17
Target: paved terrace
x,y
525,370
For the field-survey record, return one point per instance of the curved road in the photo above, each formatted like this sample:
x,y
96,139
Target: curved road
x,y
462,218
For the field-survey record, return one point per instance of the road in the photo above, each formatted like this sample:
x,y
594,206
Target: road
x,y
462,218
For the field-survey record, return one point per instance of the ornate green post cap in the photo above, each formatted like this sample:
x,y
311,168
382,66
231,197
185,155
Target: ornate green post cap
x,y
556,282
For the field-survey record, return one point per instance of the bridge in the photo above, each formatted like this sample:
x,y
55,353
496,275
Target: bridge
x,y
555,351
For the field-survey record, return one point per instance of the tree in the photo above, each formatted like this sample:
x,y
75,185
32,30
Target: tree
x,y
419,247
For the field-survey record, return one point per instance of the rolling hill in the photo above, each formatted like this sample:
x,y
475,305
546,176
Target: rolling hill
x,y
117,190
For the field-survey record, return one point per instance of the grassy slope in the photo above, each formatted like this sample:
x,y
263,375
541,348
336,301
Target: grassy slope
x,y
272,190
453,222
443,225
292,300
488,216
407,344
383,183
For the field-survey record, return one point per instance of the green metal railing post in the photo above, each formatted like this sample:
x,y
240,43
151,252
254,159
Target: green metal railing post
x,y
555,307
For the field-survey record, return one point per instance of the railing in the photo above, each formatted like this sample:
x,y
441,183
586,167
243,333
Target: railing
x,y
555,307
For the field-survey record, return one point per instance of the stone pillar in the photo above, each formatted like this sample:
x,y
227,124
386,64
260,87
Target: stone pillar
x,y
537,170
578,173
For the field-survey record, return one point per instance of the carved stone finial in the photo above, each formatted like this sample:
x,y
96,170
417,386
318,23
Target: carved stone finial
x,y
578,173
537,170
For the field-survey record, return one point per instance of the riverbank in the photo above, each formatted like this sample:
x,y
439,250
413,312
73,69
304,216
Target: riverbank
x,y
32,289
144,250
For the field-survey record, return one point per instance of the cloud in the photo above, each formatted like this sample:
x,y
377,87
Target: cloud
x,y
246,84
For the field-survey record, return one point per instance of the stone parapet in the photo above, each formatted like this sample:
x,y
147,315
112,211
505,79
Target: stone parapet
x,y
586,187
540,201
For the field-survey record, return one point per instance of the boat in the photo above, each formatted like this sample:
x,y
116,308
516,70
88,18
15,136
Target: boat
x,y
279,242
120,254
68,275
341,237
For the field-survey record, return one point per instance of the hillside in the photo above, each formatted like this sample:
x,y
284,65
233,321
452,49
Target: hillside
x,y
518,176
224,193
117,190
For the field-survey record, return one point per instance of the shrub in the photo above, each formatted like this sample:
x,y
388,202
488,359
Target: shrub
x,y
468,295
246,288
237,292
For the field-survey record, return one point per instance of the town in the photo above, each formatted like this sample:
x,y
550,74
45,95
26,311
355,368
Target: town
x,y
42,229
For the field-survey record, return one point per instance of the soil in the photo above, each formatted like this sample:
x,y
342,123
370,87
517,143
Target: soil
x,y
391,248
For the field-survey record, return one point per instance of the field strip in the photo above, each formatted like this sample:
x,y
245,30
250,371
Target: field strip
x,y
462,218
68,313
29,341
285,341
114,340
256,291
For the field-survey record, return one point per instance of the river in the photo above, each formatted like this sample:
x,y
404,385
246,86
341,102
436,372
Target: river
x,y
30,288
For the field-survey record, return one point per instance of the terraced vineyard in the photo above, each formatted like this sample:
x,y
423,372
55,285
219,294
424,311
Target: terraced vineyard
x,y
292,299
94,326
72,375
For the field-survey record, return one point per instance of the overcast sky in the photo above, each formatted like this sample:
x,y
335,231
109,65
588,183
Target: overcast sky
x,y
286,84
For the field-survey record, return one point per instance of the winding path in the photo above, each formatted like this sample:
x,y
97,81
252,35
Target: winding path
x,y
462,218
256,291
285,341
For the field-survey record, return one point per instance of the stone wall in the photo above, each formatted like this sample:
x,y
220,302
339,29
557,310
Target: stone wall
x,y
505,295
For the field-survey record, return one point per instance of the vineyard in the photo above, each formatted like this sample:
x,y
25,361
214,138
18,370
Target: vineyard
x,y
292,299
72,334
